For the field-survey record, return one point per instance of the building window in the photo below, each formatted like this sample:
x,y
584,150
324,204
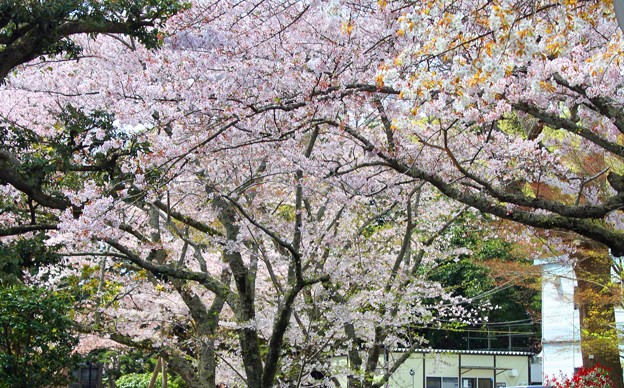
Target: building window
x,y
442,382
473,382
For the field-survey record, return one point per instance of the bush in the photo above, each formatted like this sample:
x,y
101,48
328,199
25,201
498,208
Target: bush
x,y
596,377
38,341
141,380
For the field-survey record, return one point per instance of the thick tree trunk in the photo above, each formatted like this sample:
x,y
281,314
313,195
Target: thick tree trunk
x,y
595,298
207,366
244,279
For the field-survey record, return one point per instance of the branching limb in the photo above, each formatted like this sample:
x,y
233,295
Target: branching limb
x,y
202,278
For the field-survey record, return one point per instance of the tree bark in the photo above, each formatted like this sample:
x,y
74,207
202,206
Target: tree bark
x,y
245,310
596,301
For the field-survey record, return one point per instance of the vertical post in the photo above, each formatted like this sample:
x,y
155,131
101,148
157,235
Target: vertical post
x,y
163,363
459,371
495,371
154,374
529,369
424,375
89,366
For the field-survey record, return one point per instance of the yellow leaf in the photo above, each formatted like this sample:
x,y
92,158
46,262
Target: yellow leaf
x,y
379,81
347,28
547,86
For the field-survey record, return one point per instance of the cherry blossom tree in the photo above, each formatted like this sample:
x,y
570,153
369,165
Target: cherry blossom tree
x,y
215,198
189,207
516,107
267,233
227,182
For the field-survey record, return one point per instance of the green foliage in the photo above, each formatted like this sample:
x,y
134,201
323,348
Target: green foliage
x,y
471,275
286,212
73,153
141,380
131,367
136,18
464,277
84,133
118,363
86,286
379,224
37,339
24,255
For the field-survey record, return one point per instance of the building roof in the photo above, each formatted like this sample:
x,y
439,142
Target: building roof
x,y
481,352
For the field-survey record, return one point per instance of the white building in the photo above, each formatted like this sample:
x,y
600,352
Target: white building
x,y
436,368
561,337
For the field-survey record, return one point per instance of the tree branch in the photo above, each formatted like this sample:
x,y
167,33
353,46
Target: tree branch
x,y
9,173
202,278
570,126
187,220
21,229
574,219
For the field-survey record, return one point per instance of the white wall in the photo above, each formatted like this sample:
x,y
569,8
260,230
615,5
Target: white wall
x,y
560,321
561,340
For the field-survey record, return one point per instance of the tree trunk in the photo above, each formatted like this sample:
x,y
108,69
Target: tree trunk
x,y
596,301
207,365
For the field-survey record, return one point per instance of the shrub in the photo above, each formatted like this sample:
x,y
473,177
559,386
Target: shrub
x,y
596,377
37,337
141,380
